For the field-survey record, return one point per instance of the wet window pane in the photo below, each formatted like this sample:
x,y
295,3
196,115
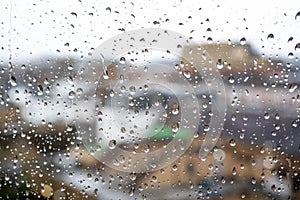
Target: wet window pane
x,y
149,100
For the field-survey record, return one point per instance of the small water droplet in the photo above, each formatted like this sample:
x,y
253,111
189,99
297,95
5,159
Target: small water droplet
x,y
231,79
112,144
175,109
40,90
297,17
209,40
234,171
72,94
292,87
174,168
13,80
220,64
270,36
132,176
295,124
108,10
243,41
131,192
122,60
267,116
232,142
297,47
105,74
187,74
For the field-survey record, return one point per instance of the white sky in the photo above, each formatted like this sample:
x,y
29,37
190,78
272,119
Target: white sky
x,y
42,27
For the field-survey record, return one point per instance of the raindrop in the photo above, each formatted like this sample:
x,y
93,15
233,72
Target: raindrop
x,y
232,142
267,116
233,171
231,79
74,14
175,109
112,144
108,10
122,60
292,87
209,40
72,94
105,74
174,168
297,17
40,90
297,47
290,39
294,124
270,36
13,80
131,192
132,176
243,41
187,74
220,64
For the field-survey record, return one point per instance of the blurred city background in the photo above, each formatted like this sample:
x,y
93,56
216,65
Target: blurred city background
x,y
254,45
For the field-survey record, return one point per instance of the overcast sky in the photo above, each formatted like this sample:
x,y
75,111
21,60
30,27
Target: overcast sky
x,y
43,27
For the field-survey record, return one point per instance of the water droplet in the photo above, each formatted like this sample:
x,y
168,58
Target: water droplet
x,y
72,95
220,64
232,142
123,129
40,90
209,40
112,144
74,14
297,17
292,87
233,171
175,109
175,127
243,41
219,155
187,74
105,74
231,79
174,168
132,176
131,192
108,10
122,60
297,47
295,124
13,80
132,90
267,116
270,36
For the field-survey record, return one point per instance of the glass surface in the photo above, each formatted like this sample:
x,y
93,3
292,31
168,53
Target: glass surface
x,y
149,100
